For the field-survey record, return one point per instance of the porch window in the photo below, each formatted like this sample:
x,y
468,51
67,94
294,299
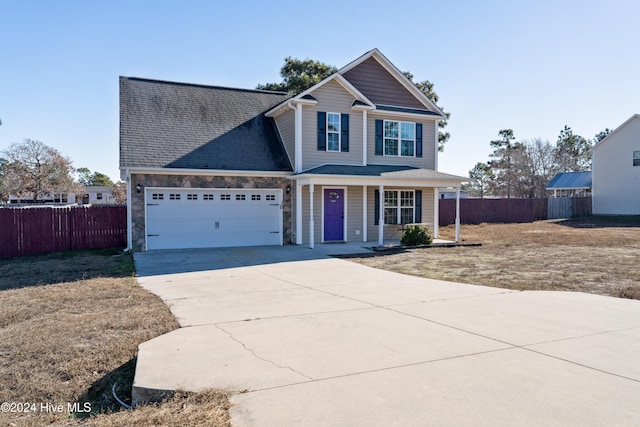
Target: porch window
x,y
399,139
399,206
333,132
636,158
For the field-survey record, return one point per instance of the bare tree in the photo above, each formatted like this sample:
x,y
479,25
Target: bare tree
x,y
36,170
542,165
120,192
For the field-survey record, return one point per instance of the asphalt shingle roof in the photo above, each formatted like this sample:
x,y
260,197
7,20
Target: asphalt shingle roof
x,y
570,180
178,125
408,172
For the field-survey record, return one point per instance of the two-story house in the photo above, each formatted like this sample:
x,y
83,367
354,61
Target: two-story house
x,y
350,159
615,168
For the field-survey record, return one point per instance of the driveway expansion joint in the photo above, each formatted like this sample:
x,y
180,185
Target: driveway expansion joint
x,y
253,352
387,368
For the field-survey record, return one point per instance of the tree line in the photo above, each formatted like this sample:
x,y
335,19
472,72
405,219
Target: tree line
x,y
32,170
523,169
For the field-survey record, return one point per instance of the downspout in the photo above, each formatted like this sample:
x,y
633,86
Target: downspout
x,y
297,166
435,158
129,225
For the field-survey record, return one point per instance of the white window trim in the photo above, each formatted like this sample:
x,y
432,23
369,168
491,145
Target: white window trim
x,y
384,146
339,132
634,157
398,208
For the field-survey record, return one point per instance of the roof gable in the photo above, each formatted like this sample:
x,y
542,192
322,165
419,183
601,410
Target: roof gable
x,y
384,84
611,136
177,125
306,97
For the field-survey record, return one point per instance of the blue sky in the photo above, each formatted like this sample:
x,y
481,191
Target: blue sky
x,y
529,66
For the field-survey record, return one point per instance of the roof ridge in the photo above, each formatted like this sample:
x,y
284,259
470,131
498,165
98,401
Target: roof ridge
x,y
170,82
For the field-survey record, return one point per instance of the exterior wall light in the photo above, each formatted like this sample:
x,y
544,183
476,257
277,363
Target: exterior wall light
x,y
138,188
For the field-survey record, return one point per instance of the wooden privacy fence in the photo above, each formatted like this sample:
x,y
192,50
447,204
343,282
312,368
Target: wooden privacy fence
x,y
477,211
39,230
567,207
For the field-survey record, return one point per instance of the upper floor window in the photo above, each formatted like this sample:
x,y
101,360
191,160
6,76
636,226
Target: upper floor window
x,y
333,132
399,138
636,158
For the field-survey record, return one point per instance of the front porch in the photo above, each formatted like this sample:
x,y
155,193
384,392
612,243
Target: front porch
x,y
370,204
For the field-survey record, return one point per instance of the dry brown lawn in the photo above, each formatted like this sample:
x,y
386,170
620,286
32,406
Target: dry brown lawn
x,y
70,325
595,255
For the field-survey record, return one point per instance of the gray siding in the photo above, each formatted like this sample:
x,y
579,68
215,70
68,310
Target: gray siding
x,y
427,160
331,98
286,126
354,213
375,82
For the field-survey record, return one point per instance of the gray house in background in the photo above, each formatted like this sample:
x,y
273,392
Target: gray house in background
x,y
350,159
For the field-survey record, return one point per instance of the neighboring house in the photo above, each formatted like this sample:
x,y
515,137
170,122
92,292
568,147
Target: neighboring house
x,y
97,195
616,171
350,159
570,184
94,195
58,198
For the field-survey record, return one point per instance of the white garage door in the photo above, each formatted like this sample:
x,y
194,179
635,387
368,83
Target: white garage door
x,y
206,218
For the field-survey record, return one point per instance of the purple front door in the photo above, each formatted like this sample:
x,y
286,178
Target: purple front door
x,y
333,214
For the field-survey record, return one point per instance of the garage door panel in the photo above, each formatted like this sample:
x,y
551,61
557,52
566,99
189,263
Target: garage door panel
x,y
200,218
251,224
181,225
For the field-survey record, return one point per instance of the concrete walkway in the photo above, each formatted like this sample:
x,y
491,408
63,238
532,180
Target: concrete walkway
x,y
308,340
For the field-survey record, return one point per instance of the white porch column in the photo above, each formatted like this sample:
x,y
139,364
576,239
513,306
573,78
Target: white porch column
x,y
298,214
436,213
381,216
311,226
457,214
364,213
364,137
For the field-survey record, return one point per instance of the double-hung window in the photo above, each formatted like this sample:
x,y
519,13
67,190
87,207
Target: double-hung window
x,y
636,158
333,132
399,206
399,138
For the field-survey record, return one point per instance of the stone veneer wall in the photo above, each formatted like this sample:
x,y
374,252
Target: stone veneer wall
x,y
190,181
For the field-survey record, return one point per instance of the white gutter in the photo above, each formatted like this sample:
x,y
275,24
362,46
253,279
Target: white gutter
x,y
129,215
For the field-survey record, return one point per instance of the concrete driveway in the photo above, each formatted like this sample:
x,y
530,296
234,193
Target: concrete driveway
x,y
309,340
